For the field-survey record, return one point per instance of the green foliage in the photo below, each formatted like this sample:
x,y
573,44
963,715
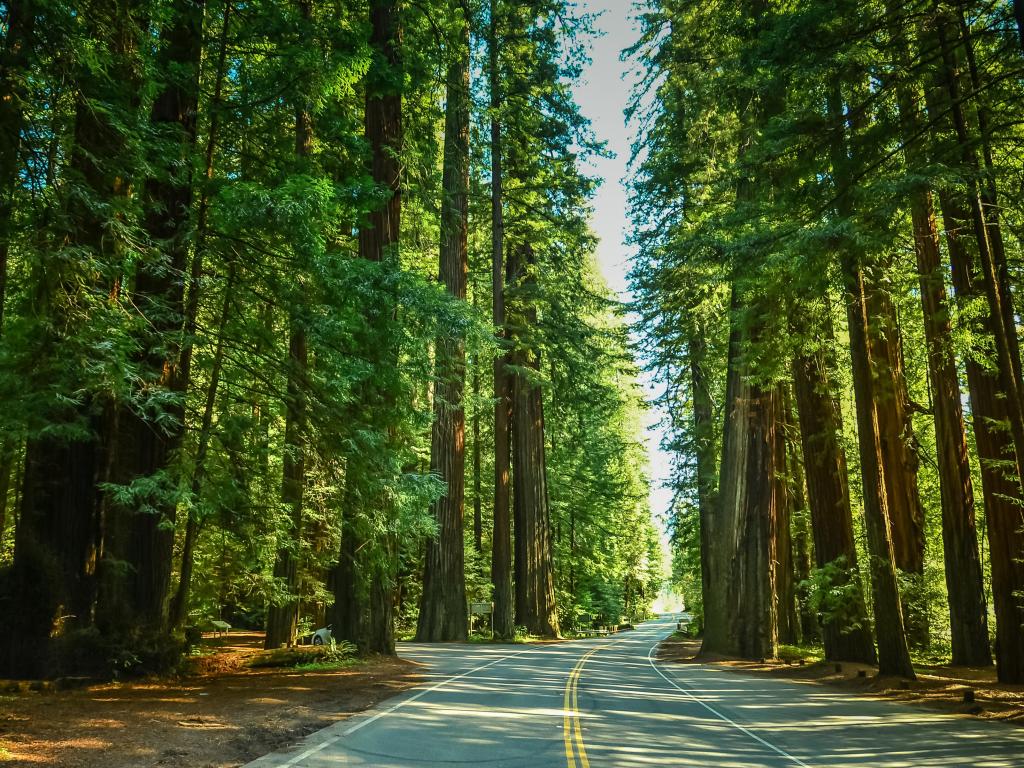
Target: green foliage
x,y
834,592
741,114
270,238
313,658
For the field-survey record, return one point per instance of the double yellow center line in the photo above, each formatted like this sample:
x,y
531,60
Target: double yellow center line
x,y
572,731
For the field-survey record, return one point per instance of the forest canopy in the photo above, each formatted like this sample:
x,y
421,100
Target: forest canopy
x,y
302,325
828,220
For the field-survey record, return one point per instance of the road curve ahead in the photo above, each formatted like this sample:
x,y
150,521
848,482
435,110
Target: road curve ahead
x,y
604,702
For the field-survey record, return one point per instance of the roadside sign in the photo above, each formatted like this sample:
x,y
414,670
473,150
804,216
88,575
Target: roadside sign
x,y
481,609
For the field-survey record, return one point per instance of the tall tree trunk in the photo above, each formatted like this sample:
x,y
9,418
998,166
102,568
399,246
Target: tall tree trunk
x,y
783,565
993,280
802,547
283,612
535,586
896,435
14,64
993,393
378,241
967,609
178,613
989,192
145,450
383,130
501,538
707,457
478,514
443,607
741,616
346,615
846,634
893,651
60,534
1001,490
478,519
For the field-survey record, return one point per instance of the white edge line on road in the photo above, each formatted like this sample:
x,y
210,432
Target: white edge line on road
x,y
719,715
364,722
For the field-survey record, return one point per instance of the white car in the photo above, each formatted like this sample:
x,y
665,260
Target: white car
x,y
323,636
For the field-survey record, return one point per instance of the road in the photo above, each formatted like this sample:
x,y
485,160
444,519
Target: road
x,y
604,702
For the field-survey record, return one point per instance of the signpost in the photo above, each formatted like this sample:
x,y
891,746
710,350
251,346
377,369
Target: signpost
x,y
481,609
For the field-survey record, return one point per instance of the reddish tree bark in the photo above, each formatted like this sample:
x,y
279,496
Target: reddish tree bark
x,y
443,607
501,539
534,563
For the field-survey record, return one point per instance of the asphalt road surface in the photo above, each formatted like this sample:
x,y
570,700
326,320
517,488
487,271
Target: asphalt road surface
x,y
604,702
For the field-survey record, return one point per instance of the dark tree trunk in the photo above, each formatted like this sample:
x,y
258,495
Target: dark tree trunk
x,y
846,636
783,565
705,446
60,533
178,612
14,64
381,621
968,613
443,607
283,611
501,538
535,579
994,394
1001,490
378,242
741,616
478,519
989,194
893,650
145,449
810,632
992,273
345,615
383,130
896,436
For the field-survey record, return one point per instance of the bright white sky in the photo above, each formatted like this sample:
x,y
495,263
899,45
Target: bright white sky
x,y
603,95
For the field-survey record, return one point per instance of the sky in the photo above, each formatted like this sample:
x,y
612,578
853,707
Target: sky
x,y
603,94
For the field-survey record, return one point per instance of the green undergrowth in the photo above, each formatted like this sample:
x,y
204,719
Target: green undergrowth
x,y
308,658
808,653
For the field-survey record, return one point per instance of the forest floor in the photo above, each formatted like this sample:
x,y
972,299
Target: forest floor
x,y
220,714
941,687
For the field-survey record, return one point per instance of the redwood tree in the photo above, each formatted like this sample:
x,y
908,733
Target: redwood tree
x,y
443,607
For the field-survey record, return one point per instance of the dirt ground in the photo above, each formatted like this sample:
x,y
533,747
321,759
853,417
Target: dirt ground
x,y
940,687
221,714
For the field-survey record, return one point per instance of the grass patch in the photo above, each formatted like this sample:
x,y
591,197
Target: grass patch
x,y
327,665
809,653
